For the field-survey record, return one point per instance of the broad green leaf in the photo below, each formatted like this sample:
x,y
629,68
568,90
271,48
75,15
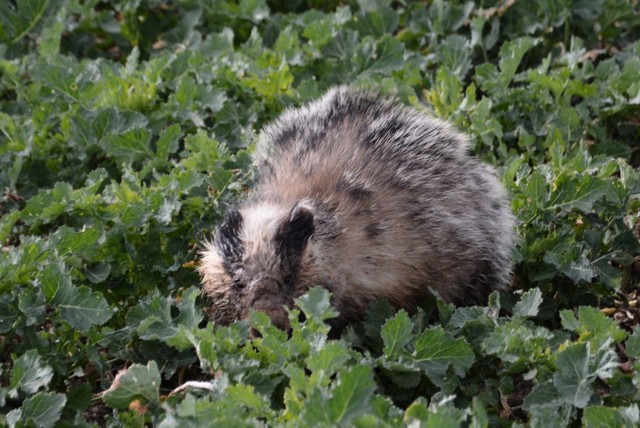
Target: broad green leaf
x,y
543,394
511,54
8,313
551,416
494,302
272,335
7,222
479,417
632,345
317,28
130,146
137,382
79,397
396,333
629,176
256,10
446,97
345,43
463,315
536,190
383,56
19,18
315,303
350,398
455,55
573,379
31,303
48,205
98,273
190,315
377,21
528,304
52,278
382,410
187,320
518,341
436,351
43,409
166,210
30,373
483,124
168,142
90,128
61,76
330,359
246,396
608,274
81,307
579,194
152,318
571,261
448,17
578,368
475,325
81,243
435,415
599,416
50,38
22,263
592,325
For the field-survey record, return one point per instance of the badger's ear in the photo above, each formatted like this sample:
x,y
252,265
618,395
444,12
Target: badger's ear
x,y
294,232
227,239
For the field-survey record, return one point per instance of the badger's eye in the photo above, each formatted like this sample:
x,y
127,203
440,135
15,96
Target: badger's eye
x,y
237,284
288,281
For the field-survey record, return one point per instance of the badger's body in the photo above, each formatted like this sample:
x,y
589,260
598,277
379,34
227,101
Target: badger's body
x,y
368,199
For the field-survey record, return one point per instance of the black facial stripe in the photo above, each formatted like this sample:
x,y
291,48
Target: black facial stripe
x,y
227,240
292,237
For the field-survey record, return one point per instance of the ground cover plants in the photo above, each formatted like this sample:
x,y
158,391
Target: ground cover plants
x,y
126,130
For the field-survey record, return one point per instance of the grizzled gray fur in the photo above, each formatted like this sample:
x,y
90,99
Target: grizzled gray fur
x,y
368,199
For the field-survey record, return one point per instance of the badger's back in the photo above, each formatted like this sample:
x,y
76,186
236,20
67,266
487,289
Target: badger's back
x,y
399,205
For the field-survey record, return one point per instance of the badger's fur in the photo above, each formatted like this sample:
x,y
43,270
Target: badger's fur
x,y
368,199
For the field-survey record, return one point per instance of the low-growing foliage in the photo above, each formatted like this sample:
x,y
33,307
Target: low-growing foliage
x,y
126,129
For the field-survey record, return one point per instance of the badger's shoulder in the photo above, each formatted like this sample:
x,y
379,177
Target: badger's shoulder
x,y
349,116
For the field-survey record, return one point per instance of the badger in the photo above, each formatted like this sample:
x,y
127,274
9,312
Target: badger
x,y
369,199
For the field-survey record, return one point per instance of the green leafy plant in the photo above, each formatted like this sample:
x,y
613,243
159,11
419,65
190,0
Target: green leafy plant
x,y
126,130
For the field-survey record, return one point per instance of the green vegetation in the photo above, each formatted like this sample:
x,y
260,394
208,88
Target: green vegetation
x,y
125,131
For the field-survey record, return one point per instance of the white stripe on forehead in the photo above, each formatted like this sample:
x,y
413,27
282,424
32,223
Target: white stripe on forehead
x,y
259,223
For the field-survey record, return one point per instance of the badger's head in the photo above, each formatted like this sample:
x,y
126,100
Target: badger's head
x,y
255,262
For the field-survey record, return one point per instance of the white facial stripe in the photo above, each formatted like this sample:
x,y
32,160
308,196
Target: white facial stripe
x,y
259,228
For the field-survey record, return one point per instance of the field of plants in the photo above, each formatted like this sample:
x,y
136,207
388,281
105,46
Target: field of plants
x,y
126,129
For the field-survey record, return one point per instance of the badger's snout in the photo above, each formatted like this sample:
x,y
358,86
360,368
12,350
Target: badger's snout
x,y
267,296
263,288
275,310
